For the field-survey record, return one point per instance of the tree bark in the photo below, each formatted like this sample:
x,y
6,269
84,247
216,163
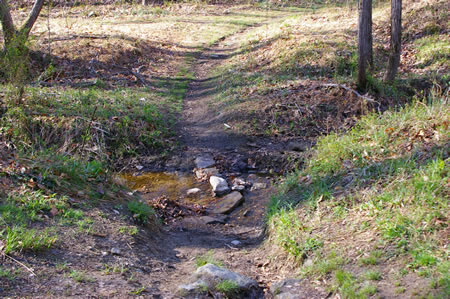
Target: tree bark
x,y
9,30
365,55
35,11
396,40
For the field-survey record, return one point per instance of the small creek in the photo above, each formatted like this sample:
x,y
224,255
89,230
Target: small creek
x,y
171,185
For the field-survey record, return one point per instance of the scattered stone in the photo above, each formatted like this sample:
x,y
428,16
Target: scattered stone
x,y
239,181
193,191
238,188
209,276
191,290
239,165
104,253
297,146
139,167
308,263
92,14
115,251
236,242
206,173
258,186
219,185
229,203
219,219
203,220
295,289
204,161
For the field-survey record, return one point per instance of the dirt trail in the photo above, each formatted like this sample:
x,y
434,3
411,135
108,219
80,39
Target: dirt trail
x,y
203,132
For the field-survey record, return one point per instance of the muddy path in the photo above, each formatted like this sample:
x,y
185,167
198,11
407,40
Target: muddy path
x,y
233,238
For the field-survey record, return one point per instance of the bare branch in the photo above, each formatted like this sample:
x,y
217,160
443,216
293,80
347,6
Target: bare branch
x,y
35,11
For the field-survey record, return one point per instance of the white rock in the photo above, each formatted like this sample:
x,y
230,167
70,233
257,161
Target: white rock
x,y
193,191
257,186
219,185
238,188
236,242
115,251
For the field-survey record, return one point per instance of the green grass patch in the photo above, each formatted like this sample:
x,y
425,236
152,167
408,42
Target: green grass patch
x,y
140,211
228,287
207,258
18,239
387,176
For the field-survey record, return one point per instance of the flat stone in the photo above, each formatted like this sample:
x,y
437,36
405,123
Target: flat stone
x,y
219,219
203,220
238,188
190,290
205,161
219,185
206,172
236,242
212,275
193,191
258,186
115,251
296,289
229,203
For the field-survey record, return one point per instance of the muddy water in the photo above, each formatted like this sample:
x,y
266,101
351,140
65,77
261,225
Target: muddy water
x,y
172,185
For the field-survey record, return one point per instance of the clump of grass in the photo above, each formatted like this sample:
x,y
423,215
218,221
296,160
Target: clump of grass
x,y
372,259
6,274
373,275
140,211
80,276
228,287
129,230
207,258
19,239
323,265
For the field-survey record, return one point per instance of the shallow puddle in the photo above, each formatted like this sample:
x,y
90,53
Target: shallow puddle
x,y
172,185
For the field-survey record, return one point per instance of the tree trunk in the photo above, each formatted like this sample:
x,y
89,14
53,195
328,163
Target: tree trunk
x,y
365,55
35,11
145,2
396,40
9,30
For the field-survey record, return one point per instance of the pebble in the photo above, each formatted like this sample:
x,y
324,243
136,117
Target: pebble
x,y
115,251
236,242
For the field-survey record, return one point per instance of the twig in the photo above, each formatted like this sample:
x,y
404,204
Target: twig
x,y
234,248
136,74
351,90
21,264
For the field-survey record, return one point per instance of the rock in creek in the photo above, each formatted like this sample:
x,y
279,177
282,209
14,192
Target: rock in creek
x,y
204,161
238,188
193,192
207,277
206,173
258,186
229,203
219,185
